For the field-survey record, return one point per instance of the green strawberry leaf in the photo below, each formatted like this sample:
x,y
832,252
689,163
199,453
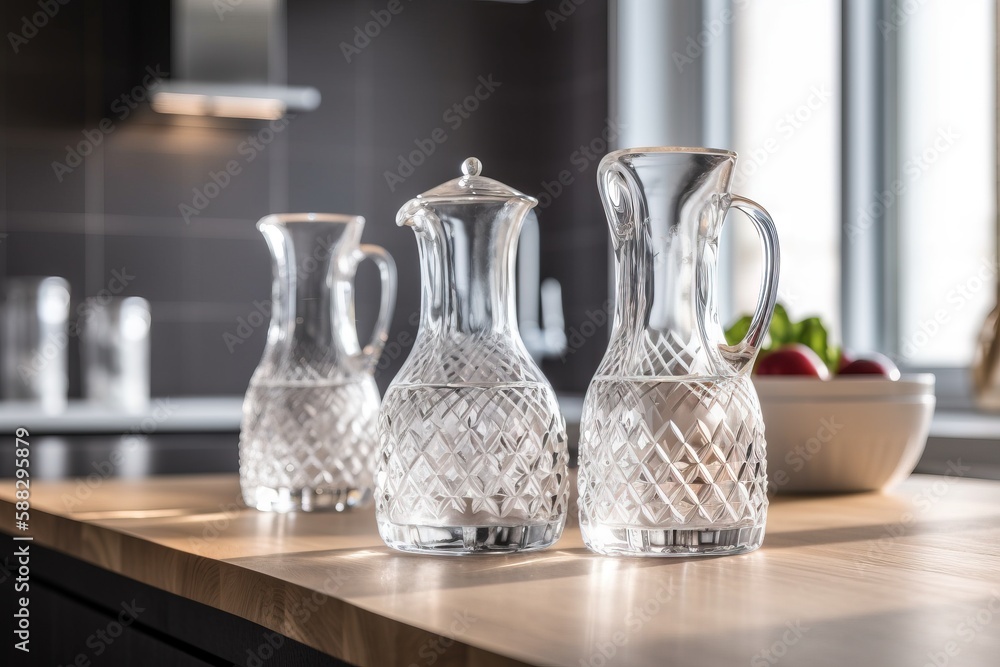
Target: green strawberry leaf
x,y
833,358
811,333
738,330
781,330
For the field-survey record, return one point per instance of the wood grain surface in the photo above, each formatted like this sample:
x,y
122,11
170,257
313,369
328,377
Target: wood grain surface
x,y
906,578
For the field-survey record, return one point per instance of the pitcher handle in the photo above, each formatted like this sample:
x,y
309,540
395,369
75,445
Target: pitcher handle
x,y
617,188
742,353
387,270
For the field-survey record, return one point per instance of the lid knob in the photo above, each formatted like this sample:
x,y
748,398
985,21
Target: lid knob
x,y
472,167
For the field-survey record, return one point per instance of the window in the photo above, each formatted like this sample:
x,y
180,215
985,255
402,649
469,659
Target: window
x,y
945,171
927,193
786,129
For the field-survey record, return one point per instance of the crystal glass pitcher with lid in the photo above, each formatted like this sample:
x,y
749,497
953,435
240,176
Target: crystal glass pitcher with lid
x,y
672,458
472,446
308,430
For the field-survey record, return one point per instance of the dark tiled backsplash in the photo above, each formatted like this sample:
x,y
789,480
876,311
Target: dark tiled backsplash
x,y
120,210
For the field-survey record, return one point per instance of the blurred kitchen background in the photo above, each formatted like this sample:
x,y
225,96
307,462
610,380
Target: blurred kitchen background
x,y
866,127
119,210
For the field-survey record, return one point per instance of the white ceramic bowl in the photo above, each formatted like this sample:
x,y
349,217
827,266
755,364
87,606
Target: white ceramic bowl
x,y
845,434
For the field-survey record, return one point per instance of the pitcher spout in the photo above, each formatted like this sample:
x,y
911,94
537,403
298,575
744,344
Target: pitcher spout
x,y
655,187
416,215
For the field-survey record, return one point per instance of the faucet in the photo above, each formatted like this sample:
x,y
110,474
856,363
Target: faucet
x,y
545,337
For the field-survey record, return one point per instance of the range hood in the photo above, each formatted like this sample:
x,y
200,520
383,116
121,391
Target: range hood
x,y
229,59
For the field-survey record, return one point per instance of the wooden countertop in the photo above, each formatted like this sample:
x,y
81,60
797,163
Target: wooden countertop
x,y
907,578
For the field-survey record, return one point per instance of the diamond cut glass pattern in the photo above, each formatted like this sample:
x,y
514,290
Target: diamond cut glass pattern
x,y
477,455
315,442
688,453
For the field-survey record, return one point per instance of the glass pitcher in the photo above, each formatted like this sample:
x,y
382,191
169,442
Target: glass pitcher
x,y
34,339
472,446
114,352
672,457
308,430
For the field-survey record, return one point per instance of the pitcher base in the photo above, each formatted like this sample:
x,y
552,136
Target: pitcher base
x,y
624,541
319,499
467,540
